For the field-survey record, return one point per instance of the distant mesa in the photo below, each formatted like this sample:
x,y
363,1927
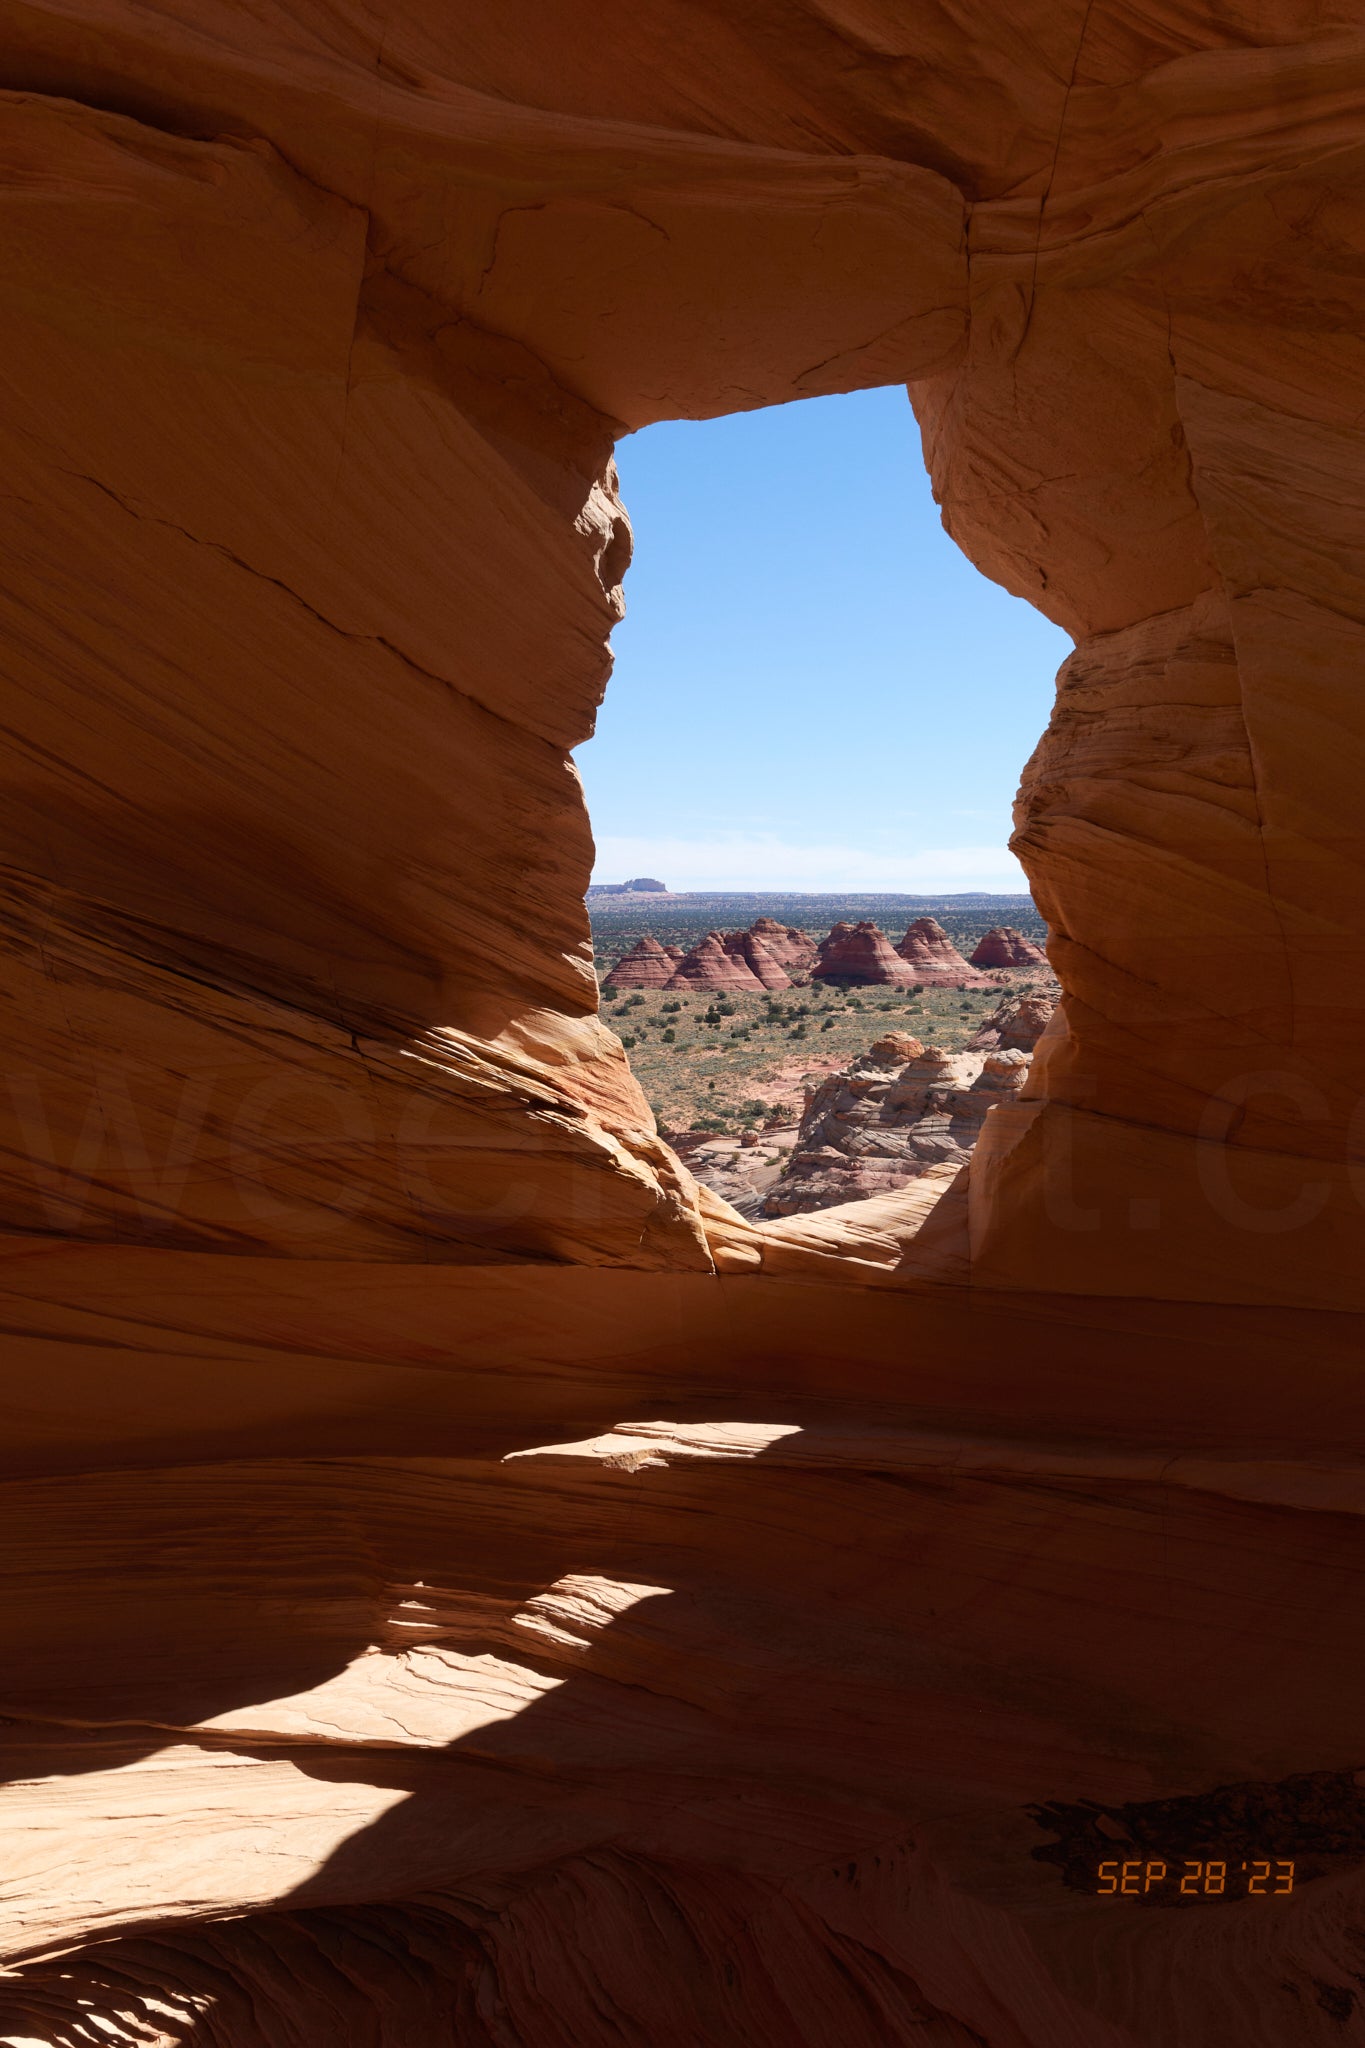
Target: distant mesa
x,y
1003,946
936,961
642,885
861,954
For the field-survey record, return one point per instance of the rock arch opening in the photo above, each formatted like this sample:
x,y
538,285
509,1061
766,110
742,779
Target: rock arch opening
x,y
814,730
351,1304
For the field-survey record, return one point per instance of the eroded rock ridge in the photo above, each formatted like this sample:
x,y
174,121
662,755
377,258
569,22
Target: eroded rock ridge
x,y
464,1581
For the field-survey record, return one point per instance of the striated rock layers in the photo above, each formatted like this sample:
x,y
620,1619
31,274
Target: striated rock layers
x,y
936,961
900,1111
793,950
715,965
759,957
1017,1022
462,1582
860,955
1003,946
646,965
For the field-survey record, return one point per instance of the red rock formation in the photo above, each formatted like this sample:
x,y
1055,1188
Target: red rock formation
x,y
936,961
1003,946
861,955
752,948
900,1112
710,966
367,1676
895,1047
793,950
646,965
1018,1021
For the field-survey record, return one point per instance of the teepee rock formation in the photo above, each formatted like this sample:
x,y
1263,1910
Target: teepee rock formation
x,y
936,961
1003,946
792,949
709,966
646,965
753,949
861,953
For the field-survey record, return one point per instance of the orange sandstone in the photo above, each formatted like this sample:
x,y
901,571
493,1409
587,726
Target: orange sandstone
x,y
465,1581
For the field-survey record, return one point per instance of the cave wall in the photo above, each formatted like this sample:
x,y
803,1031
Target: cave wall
x,y
463,1582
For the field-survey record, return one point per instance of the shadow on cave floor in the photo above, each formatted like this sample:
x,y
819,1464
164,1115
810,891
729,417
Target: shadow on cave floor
x,y
811,1667
614,1809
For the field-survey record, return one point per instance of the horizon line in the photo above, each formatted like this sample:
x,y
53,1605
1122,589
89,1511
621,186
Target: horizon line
x,y
906,895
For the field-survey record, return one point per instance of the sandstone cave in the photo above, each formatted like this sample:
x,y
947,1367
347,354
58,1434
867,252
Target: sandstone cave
x,y
465,1584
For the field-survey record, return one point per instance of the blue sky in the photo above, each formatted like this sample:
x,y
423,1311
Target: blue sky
x,y
814,689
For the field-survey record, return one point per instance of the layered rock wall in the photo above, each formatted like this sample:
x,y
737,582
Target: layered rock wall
x,y
899,1112
463,1579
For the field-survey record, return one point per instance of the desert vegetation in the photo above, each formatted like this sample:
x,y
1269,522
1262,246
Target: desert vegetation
x,y
725,1063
